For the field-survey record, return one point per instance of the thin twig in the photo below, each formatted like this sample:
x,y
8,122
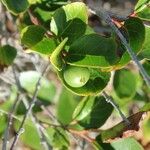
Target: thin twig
x,y
50,114
41,133
106,17
112,102
116,16
83,134
29,108
10,116
34,119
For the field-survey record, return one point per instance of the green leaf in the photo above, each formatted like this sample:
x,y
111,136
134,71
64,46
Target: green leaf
x,y
146,128
70,21
84,108
92,112
145,53
136,39
31,35
142,9
126,144
146,66
56,56
93,51
66,100
76,10
124,83
46,46
58,138
44,16
3,123
34,1
28,81
7,56
146,107
16,6
22,106
97,82
30,135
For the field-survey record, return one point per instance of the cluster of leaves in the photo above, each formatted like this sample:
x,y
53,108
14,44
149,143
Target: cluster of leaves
x,y
61,33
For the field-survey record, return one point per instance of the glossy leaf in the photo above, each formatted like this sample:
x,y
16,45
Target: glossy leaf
x,y
32,34
97,82
142,9
145,53
136,39
92,112
28,81
30,135
84,108
16,6
46,46
58,138
66,100
7,56
93,51
70,21
56,56
124,83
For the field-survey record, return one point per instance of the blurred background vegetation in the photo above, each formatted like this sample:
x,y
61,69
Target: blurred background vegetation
x,y
54,103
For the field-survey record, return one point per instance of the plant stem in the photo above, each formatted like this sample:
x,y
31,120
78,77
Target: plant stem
x,y
41,133
106,17
29,109
111,101
10,116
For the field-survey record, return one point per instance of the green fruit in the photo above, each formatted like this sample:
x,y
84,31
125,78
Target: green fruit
x,y
76,76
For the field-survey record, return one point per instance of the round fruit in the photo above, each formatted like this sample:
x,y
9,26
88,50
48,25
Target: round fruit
x,y
76,76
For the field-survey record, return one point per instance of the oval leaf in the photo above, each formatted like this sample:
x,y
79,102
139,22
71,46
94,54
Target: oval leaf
x,y
136,39
16,6
92,112
28,81
124,83
93,51
66,100
31,35
30,135
7,56
70,21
